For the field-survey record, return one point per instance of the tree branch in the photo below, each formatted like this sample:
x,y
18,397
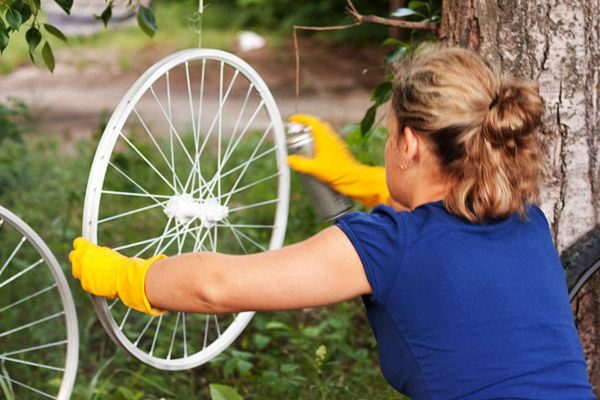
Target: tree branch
x,y
374,19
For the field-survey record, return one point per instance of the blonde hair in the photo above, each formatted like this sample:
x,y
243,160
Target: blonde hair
x,y
482,127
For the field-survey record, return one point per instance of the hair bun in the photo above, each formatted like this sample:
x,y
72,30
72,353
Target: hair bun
x,y
514,112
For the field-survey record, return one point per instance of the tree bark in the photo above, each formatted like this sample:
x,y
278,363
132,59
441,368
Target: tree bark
x,y
557,44
396,33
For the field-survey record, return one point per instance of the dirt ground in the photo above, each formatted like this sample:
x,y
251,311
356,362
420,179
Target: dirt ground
x,y
88,84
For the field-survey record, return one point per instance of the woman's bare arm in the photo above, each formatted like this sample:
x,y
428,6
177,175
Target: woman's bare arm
x,y
321,270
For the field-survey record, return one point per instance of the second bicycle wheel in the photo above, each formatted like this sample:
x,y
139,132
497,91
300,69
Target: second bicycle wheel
x,y
39,341
582,266
192,159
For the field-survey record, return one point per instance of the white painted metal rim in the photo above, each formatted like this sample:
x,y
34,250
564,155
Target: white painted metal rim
x,y
98,171
71,361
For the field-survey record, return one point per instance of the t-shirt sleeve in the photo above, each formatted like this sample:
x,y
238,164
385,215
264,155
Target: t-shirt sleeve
x,y
378,238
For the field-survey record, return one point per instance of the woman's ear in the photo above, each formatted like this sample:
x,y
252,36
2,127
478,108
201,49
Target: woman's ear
x,y
410,145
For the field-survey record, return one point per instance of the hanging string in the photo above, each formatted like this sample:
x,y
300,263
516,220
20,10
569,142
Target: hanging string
x,y
201,12
195,22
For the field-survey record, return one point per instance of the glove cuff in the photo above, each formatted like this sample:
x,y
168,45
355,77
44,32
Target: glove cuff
x,y
133,293
148,309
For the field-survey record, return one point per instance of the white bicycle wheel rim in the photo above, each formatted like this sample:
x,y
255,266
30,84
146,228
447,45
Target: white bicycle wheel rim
x,y
72,333
97,176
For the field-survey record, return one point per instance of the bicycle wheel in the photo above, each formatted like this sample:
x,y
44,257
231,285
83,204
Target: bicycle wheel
x,y
192,159
582,263
38,325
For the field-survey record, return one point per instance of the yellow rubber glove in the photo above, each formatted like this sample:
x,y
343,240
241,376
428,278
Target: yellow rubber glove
x,y
104,272
334,164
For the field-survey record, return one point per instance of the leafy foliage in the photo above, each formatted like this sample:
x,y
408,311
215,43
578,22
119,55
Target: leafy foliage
x,y
283,14
422,11
20,14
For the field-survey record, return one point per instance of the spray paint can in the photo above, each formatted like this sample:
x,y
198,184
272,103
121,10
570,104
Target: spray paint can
x,y
329,203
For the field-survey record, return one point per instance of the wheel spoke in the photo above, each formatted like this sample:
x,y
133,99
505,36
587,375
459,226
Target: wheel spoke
x,y
137,341
217,324
12,255
220,129
29,325
239,119
35,348
248,238
115,301
249,161
21,273
151,242
132,212
250,185
185,350
122,324
244,131
25,299
199,125
18,383
259,204
133,194
237,238
222,101
255,226
173,336
241,175
200,105
132,181
206,325
199,243
162,154
171,126
160,318
152,166
31,363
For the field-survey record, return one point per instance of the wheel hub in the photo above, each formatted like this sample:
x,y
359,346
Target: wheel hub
x,y
184,209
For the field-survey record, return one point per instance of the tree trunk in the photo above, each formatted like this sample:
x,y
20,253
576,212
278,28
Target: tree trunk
x,y
396,33
557,44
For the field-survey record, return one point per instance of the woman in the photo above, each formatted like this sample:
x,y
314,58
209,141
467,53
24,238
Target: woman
x,y
463,288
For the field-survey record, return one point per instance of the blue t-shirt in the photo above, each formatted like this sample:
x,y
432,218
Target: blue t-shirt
x,y
468,311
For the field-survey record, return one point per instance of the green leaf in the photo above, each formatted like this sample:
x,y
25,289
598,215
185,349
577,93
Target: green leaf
x,y
33,37
48,56
54,31
418,4
146,21
382,93
277,325
106,14
261,341
65,5
395,42
14,18
406,12
223,392
289,368
368,120
3,38
25,11
311,331
244,366
397,54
